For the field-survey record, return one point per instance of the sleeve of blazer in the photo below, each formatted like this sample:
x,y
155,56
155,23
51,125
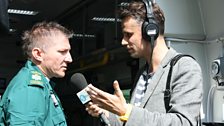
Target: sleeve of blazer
x,y
186,97
114,121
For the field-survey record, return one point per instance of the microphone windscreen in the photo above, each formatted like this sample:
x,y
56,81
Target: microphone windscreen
x,y
78,81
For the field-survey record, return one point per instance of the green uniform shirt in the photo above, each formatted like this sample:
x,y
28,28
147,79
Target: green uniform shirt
x,y
30,100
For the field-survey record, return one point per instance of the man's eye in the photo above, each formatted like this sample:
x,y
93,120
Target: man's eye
x,y
127,35
63,51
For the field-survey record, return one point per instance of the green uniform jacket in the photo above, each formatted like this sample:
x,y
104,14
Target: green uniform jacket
x,y
29,100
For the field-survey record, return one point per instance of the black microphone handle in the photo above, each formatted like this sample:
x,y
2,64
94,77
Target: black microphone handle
x,y
104,119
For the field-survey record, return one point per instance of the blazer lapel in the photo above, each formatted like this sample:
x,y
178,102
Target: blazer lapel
x,y
157,76
152,85
155,79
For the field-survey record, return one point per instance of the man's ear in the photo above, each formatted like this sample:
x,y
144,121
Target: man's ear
x,y
37,54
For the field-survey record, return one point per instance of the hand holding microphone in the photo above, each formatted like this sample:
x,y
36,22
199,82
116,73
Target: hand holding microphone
x,y
79,81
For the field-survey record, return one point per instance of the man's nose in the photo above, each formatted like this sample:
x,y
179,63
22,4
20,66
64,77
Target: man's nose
x,y
68,58
124,42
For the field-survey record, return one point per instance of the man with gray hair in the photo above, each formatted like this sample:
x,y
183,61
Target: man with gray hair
x,y
29,98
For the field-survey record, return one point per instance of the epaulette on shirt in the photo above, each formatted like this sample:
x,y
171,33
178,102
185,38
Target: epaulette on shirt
x,y
36,79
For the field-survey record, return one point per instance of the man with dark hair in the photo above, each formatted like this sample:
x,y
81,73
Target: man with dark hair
x,y
143,36
29,98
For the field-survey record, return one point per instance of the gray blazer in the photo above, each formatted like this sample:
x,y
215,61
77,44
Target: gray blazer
x,y
186,96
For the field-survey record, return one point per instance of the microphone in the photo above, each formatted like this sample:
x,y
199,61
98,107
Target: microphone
x,y
79,81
